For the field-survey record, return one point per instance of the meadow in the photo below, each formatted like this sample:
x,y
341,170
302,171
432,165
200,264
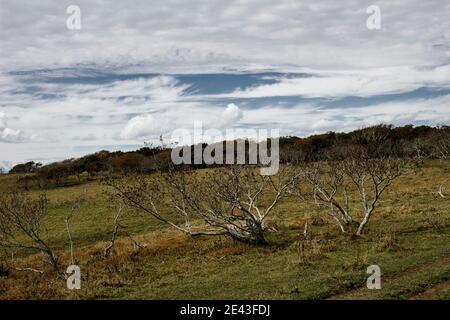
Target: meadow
x,y
408,237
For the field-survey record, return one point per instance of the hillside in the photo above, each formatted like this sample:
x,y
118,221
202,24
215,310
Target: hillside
x,y
408,238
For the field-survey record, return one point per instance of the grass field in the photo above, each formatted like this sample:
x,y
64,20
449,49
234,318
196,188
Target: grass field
x,y
409,238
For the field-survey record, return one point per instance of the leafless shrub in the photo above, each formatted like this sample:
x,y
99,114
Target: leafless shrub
x,y
442,151
119,227
70,213
332,182
442,143
21,224
224,201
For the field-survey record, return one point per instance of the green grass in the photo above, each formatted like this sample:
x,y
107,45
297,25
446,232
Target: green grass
x,y
409,238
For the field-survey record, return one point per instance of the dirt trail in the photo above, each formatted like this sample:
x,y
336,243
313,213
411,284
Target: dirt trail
x,y
432,292
411,270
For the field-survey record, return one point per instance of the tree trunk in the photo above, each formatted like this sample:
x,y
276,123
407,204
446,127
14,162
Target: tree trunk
x,y
363,223
253,235
340,224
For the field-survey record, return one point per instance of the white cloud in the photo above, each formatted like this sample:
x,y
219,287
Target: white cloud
x,y
198,35
10,135
2,120
156,89
230,116
361,83
306,119
147,126
139,127
87,137
98,110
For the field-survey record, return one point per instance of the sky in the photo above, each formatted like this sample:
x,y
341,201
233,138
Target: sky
x,y
136,70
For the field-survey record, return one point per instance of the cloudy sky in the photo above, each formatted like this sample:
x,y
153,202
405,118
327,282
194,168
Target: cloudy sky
x,y
138,69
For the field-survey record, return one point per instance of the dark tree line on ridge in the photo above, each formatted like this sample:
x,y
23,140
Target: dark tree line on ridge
x,y
382,140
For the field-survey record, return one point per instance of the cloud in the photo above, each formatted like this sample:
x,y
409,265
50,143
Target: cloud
x,y
147,126
306,119
5,166
203,35
58,111
10,135
2,120
230,116
139,127
337,84
88,137
155,89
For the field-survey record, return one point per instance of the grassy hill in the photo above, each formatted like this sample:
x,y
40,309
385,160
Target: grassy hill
x,y
409,238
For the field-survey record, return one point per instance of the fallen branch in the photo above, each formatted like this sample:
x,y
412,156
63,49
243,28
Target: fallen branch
x,y
29,269
440,192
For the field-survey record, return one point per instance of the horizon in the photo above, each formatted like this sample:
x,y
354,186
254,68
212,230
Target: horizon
x,y
138,148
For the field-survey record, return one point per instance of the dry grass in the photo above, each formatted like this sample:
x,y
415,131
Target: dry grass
x,y
386,242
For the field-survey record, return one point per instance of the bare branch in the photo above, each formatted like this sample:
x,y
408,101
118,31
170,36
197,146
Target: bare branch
x,y
74,208
20,220
222,201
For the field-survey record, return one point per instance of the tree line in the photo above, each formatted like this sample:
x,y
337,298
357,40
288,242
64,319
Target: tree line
x,y
406,141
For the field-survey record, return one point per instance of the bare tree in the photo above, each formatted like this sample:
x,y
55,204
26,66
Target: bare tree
x,y
21,224
70,213
224,201
442,151
120,227
328,185
117,227
442,143
335,183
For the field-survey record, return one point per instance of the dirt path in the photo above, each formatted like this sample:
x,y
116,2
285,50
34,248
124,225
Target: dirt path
x,y
432,292
411,270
